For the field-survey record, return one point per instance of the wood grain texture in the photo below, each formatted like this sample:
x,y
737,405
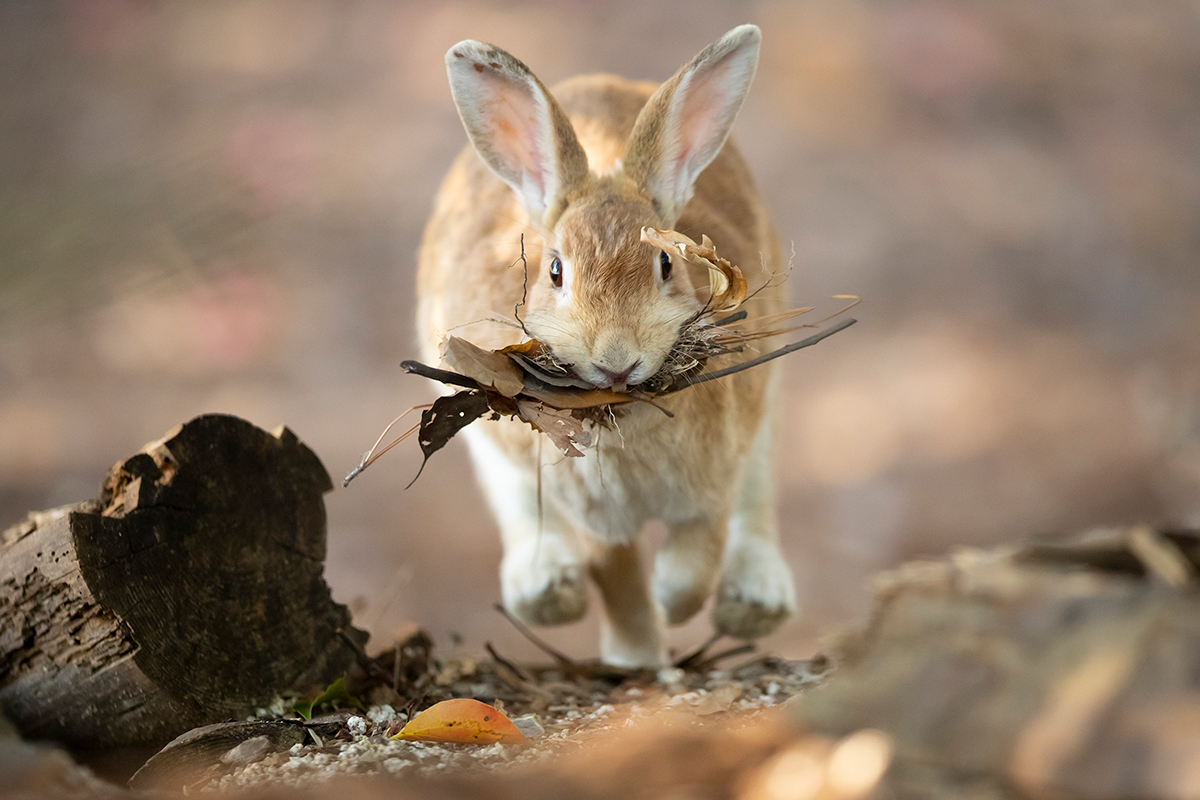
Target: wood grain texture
x,y
190,592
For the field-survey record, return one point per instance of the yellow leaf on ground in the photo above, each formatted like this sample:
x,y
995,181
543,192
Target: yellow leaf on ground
x,y
462,721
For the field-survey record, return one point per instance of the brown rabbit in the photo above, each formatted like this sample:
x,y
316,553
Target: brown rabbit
x,y
580,176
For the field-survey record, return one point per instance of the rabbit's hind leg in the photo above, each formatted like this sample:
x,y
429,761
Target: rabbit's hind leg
x,y
757,591
687,566
543,572
632,630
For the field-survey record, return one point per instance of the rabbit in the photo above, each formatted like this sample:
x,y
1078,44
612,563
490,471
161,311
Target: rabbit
x,y
577,173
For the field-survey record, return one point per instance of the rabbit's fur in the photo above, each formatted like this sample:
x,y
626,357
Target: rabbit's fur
x,y
579,177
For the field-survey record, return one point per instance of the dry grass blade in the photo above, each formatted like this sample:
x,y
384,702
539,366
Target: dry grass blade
x,y
370,457
783,351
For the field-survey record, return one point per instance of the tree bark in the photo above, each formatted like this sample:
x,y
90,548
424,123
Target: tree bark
x,y
190,592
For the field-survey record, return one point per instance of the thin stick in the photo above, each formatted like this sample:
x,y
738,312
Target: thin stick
x,y
504,662
370,456
694,656
524,288
369,461
365,661
562,659
700,666
783,351
443,375
769,318
853,297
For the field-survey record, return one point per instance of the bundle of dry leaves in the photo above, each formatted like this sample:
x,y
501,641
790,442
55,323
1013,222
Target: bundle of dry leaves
x,y
524,381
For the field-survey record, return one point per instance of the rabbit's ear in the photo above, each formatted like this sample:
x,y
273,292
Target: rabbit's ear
x,y
517,128
685,123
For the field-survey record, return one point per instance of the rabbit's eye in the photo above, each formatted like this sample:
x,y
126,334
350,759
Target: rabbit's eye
x,y
665,261
556,271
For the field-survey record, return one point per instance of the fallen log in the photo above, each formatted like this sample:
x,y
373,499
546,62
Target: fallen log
x,y
1060,669
189,592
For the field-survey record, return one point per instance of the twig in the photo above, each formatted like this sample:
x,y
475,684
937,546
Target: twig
x,y
504,662
523,629
692,657
700,666
443,375
364,660
783,351
370,456
520,679
524,289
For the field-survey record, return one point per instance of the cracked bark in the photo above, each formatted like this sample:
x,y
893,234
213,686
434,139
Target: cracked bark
x,y
189,592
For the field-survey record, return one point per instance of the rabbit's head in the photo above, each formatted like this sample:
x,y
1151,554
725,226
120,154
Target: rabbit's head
x,y
609,306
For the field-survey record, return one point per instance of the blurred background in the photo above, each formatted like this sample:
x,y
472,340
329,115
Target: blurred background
x,y
216,207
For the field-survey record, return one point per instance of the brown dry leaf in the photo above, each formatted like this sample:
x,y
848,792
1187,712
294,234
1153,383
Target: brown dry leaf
x,y
491,369
566,399
530,348
563,429
726,282
445,417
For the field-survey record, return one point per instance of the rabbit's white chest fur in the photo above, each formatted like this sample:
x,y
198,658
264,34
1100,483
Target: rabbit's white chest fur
x,y
565,189
636,471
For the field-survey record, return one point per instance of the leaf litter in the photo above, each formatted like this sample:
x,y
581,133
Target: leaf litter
x,y
526,382
556,710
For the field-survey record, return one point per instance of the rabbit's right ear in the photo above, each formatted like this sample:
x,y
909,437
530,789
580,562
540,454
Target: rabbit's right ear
x,y
516,126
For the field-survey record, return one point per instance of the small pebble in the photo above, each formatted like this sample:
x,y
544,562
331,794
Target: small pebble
x,y
381,715
248,751
529,726
357,726
670,676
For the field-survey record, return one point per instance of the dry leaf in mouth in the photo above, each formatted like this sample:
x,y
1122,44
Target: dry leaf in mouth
x,y
726,282
524,380
563,429
556,411
490,368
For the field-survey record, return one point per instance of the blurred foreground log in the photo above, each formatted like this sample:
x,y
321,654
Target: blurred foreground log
x,y
1064,670
191,591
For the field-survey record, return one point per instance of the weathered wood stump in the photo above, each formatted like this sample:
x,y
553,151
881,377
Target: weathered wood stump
x,y
190,592
1067,669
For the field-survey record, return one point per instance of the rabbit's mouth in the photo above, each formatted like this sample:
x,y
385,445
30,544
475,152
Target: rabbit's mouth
x,y
698,341
545,367
542,364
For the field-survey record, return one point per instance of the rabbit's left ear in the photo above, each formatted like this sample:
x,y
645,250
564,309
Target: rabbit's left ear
x,y
516,126
685,123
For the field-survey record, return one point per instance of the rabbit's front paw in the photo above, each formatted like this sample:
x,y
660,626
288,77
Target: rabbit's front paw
x,y
543,582
756,593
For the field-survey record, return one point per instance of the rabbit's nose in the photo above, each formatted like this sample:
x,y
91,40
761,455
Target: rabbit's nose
x,y
619,379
